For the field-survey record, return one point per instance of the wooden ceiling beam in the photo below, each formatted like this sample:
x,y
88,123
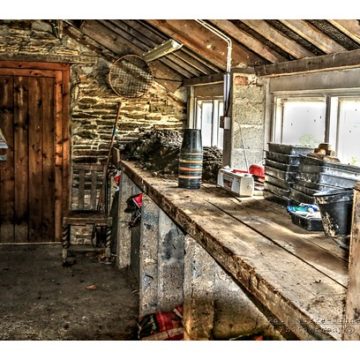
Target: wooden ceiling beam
x,y
204,42
143,46
276,37
140,33
350,28
314,36
342,60
153,36
209,79
249,41
203,64
120,47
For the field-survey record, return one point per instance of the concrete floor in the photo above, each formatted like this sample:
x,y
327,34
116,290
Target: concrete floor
x,y
41,300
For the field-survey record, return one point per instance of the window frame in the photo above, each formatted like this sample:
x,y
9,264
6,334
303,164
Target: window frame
x,y
215,120
332,99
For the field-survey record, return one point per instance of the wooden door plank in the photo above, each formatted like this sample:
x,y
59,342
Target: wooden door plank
x,y
66,138
35,160
276,37
351,329
21,124
58,116
33,65
27,72
249,41
48,160
7,170
314,36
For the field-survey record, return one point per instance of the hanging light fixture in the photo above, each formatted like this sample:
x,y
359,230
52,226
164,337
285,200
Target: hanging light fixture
x,y
163,49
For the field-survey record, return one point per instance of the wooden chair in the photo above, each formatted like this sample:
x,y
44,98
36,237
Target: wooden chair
x,y
90,208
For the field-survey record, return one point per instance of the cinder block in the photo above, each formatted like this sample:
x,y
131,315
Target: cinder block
x,y
252,137
253,157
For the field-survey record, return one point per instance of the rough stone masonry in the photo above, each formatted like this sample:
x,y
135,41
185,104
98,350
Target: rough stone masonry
x,y
93,103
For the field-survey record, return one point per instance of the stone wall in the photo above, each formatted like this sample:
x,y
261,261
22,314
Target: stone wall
x,y
93,103
248,114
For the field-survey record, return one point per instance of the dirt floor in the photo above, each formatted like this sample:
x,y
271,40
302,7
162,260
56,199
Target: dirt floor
x,y
42,300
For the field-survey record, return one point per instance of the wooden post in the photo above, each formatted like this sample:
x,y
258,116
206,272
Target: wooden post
x,y
351,328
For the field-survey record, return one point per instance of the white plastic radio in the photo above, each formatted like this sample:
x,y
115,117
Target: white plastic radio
x,y
241,184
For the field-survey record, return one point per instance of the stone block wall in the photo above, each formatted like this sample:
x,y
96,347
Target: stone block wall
x,y
93,103
248,119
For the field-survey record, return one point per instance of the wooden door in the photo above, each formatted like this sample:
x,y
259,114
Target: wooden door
x,y
32,186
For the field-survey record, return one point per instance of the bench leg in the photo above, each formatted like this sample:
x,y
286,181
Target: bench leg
x,y
108,244
65,241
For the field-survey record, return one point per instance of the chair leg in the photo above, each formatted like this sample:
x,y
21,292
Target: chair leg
x,y
108,244
65,241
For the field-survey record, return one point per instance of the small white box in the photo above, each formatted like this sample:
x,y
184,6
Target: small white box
x,y
238,183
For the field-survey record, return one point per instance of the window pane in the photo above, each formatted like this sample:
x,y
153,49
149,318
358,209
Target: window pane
x,y
220,142
206,129
348,149
303,122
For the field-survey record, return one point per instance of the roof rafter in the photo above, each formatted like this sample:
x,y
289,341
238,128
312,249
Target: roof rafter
x,y
350,28
249,41
206,44
276,37
314,36
119,46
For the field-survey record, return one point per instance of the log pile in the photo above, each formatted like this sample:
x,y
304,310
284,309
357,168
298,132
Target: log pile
x,y
158,151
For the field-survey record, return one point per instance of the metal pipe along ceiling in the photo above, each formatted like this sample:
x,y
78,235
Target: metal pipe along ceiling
x,y
227,80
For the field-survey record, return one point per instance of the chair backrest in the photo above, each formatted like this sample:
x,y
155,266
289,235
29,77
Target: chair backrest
x,y
87,183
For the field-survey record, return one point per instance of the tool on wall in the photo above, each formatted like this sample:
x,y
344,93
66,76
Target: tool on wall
x,y
104,192
130,76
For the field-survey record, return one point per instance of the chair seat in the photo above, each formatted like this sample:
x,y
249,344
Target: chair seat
x,y
84,217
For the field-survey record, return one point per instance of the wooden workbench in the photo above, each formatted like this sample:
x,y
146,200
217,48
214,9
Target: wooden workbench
x,y
299,277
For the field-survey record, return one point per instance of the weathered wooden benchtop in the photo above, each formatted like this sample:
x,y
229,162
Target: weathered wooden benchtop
x,y
299,276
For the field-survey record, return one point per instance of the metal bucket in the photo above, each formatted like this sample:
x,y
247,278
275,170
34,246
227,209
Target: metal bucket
x,y
191,160
336,210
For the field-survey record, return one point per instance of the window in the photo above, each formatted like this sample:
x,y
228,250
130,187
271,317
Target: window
x,y
208,114
311,120
348,131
